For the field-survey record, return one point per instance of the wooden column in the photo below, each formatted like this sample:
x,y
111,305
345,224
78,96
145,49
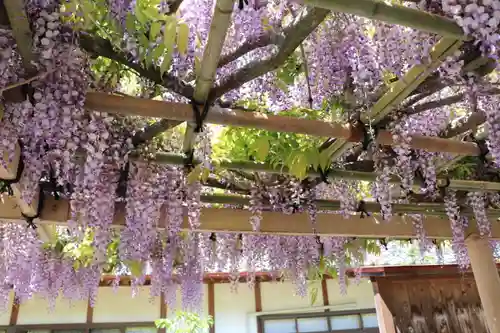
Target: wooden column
x,y
384,316
90,316
211,304
163,311
324,292
258,304
487,279
13,315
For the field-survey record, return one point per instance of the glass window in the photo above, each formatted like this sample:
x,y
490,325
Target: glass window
x,y
279,326
369,320
319,324
141,330
348,322
105,330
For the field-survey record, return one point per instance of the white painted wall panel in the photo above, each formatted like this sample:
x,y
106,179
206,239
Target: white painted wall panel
x,y
358,296
282,296
119,306
36,311
232,309
5,315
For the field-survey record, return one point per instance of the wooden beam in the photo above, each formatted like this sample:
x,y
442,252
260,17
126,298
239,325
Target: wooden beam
x,y
221,20
334,174
10,173
237,221
21,32
183,112
394,14
133,106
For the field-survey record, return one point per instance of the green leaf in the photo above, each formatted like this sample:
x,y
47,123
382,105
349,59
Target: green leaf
x,y
168,43
204,174
170,32
165,65
194,175
152,13
140,15
262,148
182,38
68,248
298,167
314,295
324,159
197,40
282,85
130,23
135,267
197,65
313,158
158,52
154,31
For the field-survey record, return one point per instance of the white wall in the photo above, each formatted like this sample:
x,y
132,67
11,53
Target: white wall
x,y
232,310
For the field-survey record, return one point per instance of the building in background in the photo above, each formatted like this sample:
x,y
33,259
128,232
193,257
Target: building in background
x,y
387,299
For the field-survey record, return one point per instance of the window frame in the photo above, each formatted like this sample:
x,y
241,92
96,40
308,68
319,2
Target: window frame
x,y
261,319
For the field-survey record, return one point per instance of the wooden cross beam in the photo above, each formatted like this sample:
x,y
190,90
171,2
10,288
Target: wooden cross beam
x,y
56,212
128,105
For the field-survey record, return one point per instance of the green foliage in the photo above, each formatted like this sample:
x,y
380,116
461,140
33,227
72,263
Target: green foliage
x,y
296,151
465,168
144,25
82,251
185,322
288,72
108,73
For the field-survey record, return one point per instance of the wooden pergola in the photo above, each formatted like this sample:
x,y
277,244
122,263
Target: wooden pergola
x,y
436,223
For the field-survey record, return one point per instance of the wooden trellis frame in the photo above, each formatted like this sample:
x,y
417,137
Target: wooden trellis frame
x,y
437,227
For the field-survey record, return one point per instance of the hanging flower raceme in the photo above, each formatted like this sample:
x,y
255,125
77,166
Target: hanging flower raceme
x,y
457,229
423,242
489,104
146,193
478,204
381,189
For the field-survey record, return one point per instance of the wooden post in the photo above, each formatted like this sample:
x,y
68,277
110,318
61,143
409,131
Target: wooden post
x,y
384,316
163,311
90,316
211,304
258,304
487,279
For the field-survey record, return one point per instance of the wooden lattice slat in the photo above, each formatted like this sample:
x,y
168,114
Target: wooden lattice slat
x,y
394,14
221,21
